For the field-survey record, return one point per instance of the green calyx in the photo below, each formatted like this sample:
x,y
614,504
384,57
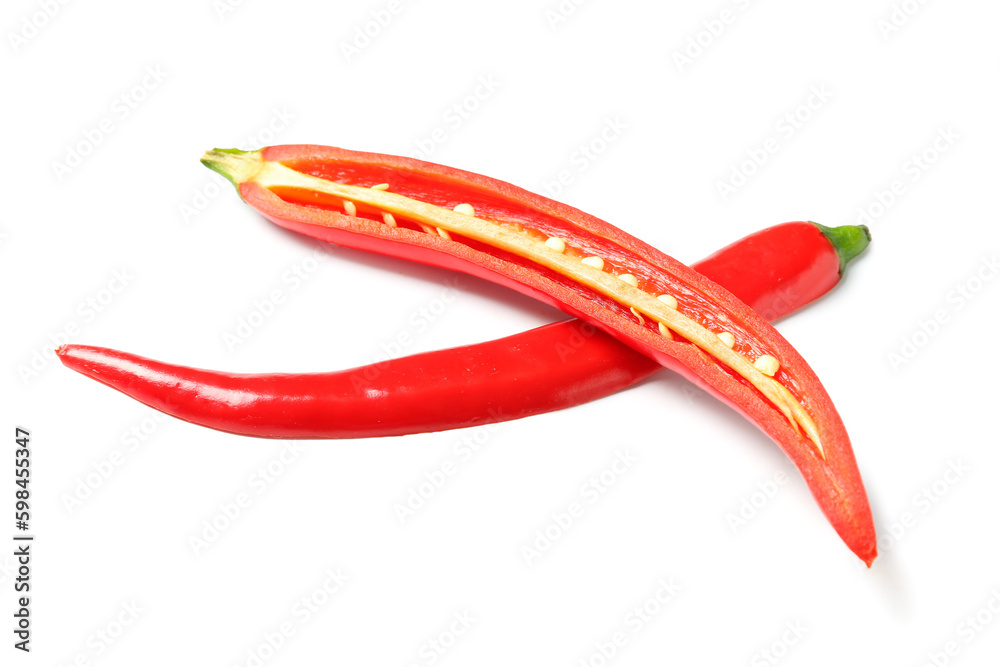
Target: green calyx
x,y
236,165
847,240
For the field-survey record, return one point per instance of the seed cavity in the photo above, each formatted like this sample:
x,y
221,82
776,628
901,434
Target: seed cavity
x,y
767,364
461,220
727,338
556,243
669,300
388,219
629,279
381,186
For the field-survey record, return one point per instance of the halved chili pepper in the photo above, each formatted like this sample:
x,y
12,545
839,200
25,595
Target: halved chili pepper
x,y
564,257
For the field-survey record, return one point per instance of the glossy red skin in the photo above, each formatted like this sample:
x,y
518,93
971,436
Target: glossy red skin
x,y
778,269
552,367
834,480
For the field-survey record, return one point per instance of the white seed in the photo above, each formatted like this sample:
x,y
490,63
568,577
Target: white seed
x,y
665,332
595,262
381,186
636,313
556,243
388,219
443,233
465,208
727,338
767,364
350,208
629,278
669,300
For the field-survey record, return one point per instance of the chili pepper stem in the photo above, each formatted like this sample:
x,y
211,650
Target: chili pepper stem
x,y
236,165
848,240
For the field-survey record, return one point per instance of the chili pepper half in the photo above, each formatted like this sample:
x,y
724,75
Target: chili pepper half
x,y
569,259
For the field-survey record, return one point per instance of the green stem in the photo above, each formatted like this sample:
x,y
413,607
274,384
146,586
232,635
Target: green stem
x,y
236,165
847,240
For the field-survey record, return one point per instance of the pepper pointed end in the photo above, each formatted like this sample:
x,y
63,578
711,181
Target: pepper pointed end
x,y
848,240
868,555
860,538
236,165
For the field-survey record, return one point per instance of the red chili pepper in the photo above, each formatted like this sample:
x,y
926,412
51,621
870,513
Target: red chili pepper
x,y
562,256
549,368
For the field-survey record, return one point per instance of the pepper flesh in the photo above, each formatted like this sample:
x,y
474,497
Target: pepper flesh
x,y
300,186
584,286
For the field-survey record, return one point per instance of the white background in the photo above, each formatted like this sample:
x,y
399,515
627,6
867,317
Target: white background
x,y
195,260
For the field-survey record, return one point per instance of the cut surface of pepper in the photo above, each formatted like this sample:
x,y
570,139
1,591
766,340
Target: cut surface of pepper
x,y
589,272
504,240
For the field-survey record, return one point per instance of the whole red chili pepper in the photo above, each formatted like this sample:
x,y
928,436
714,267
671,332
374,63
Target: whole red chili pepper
x,y
551,367
567,258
